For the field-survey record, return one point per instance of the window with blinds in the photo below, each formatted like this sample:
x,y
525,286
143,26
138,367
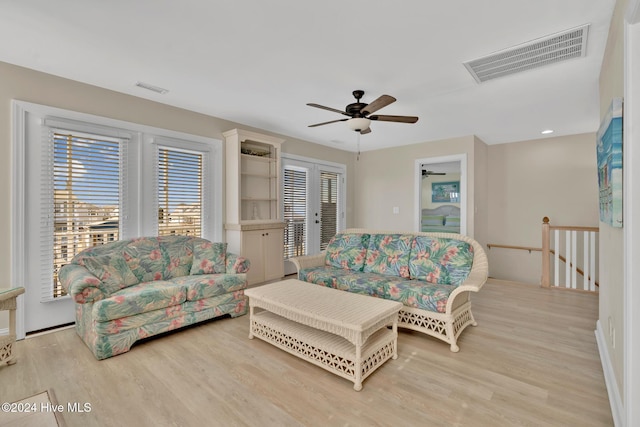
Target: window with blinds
x,y
295,211
328,207
179,192
86,196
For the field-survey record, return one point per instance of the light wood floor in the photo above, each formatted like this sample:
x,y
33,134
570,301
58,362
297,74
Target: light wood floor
x,y
531,361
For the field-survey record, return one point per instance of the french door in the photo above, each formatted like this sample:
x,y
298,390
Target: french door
x,y
313,206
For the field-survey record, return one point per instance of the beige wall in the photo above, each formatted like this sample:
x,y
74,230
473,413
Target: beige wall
x,y
481,191
554,177
511,188
385,179
611,239
32,86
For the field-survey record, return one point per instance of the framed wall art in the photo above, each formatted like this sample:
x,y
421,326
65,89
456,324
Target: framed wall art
x,y
609,151
445,192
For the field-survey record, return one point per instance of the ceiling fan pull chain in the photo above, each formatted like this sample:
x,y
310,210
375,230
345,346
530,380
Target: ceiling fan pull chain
x,y
358,158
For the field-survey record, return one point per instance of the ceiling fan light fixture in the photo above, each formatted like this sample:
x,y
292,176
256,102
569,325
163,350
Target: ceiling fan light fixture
x,y
358,123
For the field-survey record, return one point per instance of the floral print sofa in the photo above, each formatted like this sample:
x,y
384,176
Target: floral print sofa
x,y
133,289
432,274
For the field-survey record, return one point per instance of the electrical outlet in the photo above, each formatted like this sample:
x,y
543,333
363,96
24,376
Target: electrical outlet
x,y
396,210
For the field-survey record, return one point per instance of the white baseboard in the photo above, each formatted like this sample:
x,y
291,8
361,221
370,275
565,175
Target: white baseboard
x,y
617,408
4,331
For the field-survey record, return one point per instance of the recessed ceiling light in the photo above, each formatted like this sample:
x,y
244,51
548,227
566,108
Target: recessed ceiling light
x,y
547,132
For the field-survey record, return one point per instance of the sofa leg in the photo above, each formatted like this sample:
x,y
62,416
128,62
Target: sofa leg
x,y
455,348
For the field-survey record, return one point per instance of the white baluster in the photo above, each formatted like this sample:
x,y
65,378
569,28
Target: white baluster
x,y
573,259
585,260
567,268
592,280
556,257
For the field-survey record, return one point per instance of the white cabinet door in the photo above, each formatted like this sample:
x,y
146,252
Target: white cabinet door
x,y
253,250
273,262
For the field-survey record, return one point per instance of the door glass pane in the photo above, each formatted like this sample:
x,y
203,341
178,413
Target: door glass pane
x,y
328,207
295,212
86,197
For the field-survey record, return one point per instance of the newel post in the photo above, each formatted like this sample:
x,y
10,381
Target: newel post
x,y
545,252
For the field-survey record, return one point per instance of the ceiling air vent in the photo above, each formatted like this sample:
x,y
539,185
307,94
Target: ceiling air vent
x,y
536,53
152,88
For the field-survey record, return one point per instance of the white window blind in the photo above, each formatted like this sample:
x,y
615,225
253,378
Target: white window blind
x,y
328,207
82,182
295,211
180,192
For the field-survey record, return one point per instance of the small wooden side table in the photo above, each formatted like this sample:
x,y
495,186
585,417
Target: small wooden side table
x,y
8,302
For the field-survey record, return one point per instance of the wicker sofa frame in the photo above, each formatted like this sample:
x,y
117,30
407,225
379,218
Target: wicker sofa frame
x,y
445,326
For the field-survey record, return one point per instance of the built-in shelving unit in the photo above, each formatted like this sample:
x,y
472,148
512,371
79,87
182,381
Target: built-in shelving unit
x,y
254,226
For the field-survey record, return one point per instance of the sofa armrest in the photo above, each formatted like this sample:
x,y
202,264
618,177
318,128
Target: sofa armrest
x,y
475,280
236,264
81,285
308,261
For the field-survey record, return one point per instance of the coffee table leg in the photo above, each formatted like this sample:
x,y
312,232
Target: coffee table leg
x,y
357,386
250,321
395,339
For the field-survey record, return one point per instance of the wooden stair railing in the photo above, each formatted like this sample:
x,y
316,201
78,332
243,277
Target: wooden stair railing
x,y
589,244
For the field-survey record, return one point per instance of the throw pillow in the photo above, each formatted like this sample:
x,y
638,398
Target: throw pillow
x,y
112,270
452,221
208,257
145,259
432,219
178,253
389,254
440,260
347,251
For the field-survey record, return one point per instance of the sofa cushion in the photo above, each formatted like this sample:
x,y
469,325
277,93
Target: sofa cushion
x,y
232,302
389,254
412,293
347,251
145,259
211,285
112,270
178,255
135,321
139,298
324,275
208,257
440,260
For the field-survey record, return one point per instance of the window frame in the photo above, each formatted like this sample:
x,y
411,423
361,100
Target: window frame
x,y
138,168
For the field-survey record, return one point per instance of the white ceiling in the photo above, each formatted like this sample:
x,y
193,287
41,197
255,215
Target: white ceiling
x,y
259,62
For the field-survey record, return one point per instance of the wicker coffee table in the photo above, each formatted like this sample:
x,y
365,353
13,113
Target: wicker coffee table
x,y
342,332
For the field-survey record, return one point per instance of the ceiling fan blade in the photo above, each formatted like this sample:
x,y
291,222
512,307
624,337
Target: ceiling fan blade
x,y
326,123
365,131
399,119
382,101
327,108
